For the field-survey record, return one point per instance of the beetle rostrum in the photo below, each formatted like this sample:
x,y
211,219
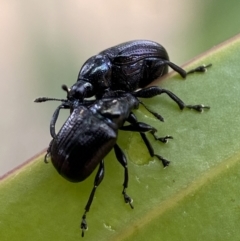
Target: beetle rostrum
x,y
90,133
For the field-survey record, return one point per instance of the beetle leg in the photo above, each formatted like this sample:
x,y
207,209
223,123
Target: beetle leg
x,y
132,119
65,105
53,121
97,181
162,139
139,127
201,68
152,91
147,143
48,152
55,117
175,67
143,127
164,161
123,161
183,73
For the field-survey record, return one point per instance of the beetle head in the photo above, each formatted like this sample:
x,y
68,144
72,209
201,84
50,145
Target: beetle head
x,y
96,71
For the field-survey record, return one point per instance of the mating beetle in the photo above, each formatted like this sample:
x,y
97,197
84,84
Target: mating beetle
x,y
127,66
90,133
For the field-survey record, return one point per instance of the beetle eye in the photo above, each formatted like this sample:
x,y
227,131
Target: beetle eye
x,y
87,89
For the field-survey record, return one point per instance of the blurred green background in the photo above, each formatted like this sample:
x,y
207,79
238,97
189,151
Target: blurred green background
x,y
43,44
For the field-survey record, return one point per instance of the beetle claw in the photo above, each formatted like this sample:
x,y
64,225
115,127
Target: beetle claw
x,y
200,69
45,157
127,199
164,161
164,139
198,108
84,226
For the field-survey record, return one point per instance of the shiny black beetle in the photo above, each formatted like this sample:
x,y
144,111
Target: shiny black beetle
x,y
128,66
90,133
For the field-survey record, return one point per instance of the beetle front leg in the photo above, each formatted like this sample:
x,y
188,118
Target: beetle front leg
x,y
55,117
48,152
97,181
65,105
155,90
123,161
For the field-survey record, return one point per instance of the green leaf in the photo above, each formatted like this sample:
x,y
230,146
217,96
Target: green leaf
x,y
196,198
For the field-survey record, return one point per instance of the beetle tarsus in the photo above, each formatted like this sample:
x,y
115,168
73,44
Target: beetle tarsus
x,y
199,69
84,226
164,161
162,139
45,158
198,108
151,150
127,199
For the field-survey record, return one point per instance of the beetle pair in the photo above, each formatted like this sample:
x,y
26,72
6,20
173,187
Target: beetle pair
x,y
113,77
90,133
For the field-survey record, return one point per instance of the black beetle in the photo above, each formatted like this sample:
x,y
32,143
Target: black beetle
x,y
128,66
90,133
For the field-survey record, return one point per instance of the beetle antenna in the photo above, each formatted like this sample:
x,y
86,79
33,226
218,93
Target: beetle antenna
x,y
44,99
65,88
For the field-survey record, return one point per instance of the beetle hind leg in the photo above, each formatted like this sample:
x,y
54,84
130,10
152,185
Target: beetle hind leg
x,y
198,108
97,181
200,69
